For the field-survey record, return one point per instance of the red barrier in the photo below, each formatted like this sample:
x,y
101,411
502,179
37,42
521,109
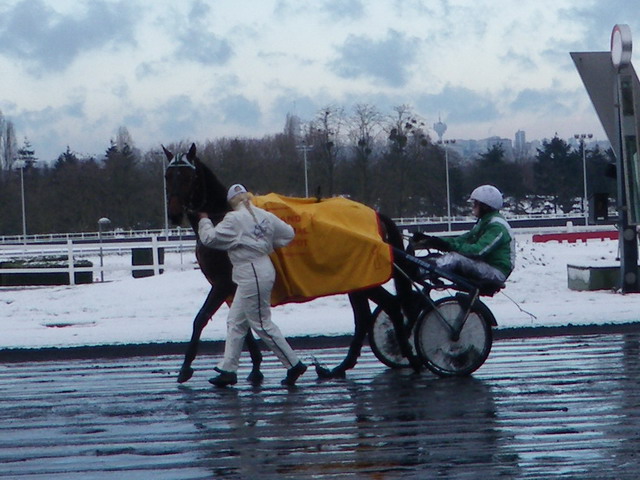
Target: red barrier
x,y
575,236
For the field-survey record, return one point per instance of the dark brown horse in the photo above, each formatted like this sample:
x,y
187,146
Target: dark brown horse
x,y
192,187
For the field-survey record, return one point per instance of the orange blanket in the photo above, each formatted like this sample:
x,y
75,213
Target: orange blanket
x,y
337,248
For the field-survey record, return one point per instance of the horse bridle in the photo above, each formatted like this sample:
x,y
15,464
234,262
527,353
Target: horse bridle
x,y
182,161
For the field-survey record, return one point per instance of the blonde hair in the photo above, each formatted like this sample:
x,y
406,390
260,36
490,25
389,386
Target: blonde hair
x,y
243,199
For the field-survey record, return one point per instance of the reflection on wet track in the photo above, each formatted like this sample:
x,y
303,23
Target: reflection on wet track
x,y
539,408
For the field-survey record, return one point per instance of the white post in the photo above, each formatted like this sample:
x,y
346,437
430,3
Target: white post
x,y
72,270
101,260
154,253
103,221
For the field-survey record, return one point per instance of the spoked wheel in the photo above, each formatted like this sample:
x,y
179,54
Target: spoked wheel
x,y
446,345
384,343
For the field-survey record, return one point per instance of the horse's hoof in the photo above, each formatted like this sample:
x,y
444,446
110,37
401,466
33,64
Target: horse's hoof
x,y
185,374
255,377
325,373
417,366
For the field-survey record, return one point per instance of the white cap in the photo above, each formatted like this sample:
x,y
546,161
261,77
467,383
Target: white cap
x,y
489,195
235,190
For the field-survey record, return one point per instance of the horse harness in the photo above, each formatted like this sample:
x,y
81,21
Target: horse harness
x,y
182,161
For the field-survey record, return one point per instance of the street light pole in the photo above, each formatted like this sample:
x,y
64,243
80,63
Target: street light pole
x,y
585,206
164,197
24,210
446,165
305,148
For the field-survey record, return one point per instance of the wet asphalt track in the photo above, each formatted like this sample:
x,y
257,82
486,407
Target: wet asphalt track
x,y
552,407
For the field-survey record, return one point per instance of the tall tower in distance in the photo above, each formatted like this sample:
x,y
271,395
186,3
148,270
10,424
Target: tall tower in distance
x,y
440,128
520,146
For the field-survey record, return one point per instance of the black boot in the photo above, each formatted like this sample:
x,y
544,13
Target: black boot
x,y
224,379
293,374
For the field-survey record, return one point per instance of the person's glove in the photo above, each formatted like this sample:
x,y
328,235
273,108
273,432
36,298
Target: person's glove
x,y
439,244
418,237
420,240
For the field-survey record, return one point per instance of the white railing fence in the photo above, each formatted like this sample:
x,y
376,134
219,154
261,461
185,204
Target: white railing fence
x,y
98,252
117,243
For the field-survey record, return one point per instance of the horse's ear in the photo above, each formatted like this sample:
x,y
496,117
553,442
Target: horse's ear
x,y
192,152
167,153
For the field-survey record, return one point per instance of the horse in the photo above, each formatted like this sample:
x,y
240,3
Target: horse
x,y
192,187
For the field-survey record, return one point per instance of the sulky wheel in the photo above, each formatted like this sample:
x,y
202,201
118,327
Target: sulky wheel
x,y
446,346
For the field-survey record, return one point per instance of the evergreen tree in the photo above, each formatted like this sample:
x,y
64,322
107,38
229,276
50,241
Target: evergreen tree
x,y
26,154
558,173
122,187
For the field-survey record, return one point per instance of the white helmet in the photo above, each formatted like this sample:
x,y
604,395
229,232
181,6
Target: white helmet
x,y
489,195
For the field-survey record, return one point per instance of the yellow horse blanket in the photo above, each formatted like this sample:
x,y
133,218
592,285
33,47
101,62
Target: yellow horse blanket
x,y
337,248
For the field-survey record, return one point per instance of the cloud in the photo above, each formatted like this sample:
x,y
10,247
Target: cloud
x,y
531,100
388,60
523,62
34,33
343,10
203,47
196,43
459,104
238,109
597,20
180,116
294,102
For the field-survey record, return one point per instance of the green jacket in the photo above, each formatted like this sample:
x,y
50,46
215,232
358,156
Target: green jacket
x,y
490,240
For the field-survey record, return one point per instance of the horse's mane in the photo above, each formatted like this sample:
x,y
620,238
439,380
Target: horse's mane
x,y
215,193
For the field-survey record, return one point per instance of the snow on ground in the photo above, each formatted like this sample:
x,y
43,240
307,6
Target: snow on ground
x,y
125,310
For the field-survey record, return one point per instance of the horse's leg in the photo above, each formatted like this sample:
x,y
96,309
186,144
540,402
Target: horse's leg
x,y
215,299
362,318
392,305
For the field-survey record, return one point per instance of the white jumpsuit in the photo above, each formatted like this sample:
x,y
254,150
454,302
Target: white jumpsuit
x,y
249,239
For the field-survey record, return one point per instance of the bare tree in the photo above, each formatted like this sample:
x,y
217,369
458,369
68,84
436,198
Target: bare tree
x,y
406,138
364,126
325,132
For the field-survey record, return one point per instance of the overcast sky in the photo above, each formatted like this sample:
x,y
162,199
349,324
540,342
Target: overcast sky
x,y
75,71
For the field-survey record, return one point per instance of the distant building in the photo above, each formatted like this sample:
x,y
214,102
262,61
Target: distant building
x,y
520,148
293,126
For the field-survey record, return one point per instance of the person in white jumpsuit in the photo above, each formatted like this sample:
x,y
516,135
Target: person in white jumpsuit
x,y
249,234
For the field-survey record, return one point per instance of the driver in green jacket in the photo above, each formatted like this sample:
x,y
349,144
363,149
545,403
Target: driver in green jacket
x,y
487,251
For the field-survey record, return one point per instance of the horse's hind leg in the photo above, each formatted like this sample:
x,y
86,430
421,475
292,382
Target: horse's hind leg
x,y
362,318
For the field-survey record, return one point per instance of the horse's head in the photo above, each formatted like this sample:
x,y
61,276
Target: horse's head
x,y
191,187
182,183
